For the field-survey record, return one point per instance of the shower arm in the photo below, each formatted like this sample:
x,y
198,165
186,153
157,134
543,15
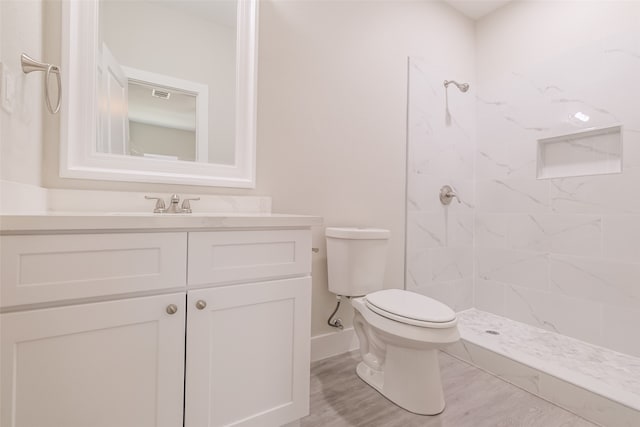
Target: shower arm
x,y
463,87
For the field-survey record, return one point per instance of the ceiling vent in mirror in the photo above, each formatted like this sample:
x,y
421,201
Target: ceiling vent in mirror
x,y
161,94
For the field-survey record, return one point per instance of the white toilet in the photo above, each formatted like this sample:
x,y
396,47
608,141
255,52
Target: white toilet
x,y
399,331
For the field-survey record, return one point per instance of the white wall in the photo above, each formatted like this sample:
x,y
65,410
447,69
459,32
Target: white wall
x,y
332,114
561,254
21,131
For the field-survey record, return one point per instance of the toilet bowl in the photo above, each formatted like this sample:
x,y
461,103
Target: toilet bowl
x,y
400,354
400,332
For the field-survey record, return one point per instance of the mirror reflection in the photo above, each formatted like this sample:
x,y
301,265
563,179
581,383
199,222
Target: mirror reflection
x,y
162,122
167,79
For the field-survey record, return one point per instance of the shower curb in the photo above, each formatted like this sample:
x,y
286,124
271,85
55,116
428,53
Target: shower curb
x,y
585,403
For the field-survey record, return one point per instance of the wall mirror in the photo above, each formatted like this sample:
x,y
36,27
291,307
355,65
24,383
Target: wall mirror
x,y
160,91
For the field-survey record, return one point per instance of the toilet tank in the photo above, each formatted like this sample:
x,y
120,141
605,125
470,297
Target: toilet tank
x,y
356,260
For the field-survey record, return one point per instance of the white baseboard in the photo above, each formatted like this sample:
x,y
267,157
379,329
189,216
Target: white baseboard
x,y
333,343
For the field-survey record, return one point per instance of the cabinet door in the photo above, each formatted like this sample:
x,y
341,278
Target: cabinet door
x,y
248,354
116,363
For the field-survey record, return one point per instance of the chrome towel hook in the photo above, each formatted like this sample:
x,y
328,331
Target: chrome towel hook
x,y
29,65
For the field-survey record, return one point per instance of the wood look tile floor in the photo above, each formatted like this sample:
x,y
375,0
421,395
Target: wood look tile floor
x,y
474,399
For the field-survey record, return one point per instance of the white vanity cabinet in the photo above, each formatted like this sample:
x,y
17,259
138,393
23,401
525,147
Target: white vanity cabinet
x,y
248,343
92,329
155,328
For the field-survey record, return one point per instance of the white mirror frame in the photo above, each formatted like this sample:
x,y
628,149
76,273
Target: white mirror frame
x,y
79,157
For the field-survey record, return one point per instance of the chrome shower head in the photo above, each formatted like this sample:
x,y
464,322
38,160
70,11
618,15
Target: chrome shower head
x,y
463,87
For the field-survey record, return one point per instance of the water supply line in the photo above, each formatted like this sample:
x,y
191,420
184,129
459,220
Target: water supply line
x,y
336,323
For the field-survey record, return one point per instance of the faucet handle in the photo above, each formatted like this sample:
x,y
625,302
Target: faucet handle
x,y
160,207
186,206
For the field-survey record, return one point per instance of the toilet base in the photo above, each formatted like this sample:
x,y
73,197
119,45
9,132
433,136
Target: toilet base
x,y
417,389
374,378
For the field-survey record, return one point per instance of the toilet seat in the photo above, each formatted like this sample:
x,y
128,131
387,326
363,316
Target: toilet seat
x,y
410,308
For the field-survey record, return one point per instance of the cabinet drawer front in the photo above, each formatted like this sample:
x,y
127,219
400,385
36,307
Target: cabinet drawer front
x,y
48,268
238,256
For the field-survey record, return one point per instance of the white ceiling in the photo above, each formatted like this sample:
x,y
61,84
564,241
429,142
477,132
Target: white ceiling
x,y
476,9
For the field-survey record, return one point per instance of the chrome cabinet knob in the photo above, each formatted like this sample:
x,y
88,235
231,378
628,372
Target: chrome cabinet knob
x,y
172,309
200,304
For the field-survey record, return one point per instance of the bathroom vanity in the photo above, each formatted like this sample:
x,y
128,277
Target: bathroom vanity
x,y
149,320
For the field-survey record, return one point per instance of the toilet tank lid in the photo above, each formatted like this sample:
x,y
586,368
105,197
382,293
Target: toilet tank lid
x,y
411,305
357,233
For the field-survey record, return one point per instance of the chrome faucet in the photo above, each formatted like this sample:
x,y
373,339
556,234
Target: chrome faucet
x,y
174,202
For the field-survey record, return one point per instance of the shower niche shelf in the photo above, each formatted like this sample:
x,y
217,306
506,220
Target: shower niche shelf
x,y
587,152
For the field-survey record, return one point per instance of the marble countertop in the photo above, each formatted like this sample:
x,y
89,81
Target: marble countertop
x,y
72,221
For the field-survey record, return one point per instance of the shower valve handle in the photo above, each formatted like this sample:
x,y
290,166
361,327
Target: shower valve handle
x,y
447,194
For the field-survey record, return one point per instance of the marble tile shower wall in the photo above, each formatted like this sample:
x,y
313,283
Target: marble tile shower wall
x,y
441,149
561,254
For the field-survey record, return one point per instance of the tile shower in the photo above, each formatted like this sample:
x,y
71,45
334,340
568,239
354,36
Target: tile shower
x,y
560,255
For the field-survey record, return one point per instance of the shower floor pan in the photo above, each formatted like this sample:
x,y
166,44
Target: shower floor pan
x,y
596,383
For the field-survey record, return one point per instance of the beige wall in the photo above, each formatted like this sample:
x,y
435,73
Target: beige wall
x,y
332,97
